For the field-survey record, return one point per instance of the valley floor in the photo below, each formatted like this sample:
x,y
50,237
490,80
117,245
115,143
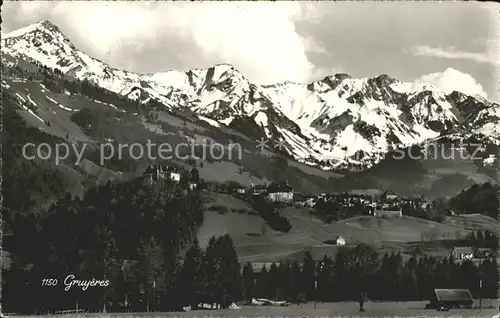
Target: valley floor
x,y
340,309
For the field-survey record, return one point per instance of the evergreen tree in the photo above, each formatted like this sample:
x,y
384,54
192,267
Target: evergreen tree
x,y
472,239
469,277
480,239
230,272
362,263
274,281
191,276
294,287
248,282
195,175
307,277
262,286
208,273
153,270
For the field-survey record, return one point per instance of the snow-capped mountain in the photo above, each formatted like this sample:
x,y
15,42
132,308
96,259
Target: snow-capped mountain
x,y
337,119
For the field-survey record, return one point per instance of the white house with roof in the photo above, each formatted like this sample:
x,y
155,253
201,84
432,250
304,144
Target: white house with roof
x,y
283,197
340,240
463,253
240,191
174,176
169,173
282,192
391,196
157,172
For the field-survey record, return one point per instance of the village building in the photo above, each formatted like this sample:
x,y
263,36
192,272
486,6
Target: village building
x,y
240,191
170,173
388,213
280,193
386,210
159,172
391,196
280,197
299,197
257,190
174,176
304,200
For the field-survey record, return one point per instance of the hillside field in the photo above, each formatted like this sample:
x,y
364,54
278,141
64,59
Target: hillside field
x,y
255,241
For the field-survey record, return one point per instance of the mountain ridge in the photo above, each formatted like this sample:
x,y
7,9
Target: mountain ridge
x,y
333,122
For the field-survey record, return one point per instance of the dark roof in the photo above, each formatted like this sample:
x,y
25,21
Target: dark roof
x,y
390,192
279,187
259,187
167,168
453,295
485,249
302,196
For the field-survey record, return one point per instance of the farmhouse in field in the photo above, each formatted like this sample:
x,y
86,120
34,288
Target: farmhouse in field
x,y
451,298
463,253
340,240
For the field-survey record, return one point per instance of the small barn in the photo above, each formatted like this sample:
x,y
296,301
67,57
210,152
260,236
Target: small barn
x,y
451,298
484,253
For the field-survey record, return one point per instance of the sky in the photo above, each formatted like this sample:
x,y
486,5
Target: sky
x,y
453,45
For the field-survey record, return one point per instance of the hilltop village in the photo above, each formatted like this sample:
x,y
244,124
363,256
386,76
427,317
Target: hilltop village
x,y
331,206
268,199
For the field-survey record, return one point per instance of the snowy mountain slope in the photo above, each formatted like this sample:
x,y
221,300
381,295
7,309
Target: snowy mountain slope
x,y
335,122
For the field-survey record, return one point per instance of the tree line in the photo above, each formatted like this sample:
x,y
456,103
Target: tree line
x,y
352,275
483,239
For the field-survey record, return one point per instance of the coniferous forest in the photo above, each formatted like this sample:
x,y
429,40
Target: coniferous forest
x,y
128,233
